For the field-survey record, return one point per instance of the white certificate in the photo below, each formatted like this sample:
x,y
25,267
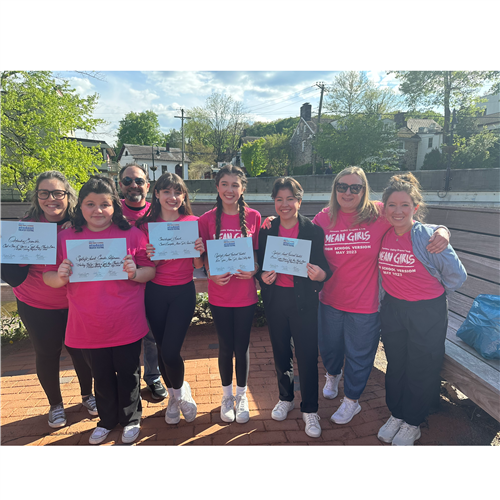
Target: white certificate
x,y
29,242
97,260
229,255
287,255
174,240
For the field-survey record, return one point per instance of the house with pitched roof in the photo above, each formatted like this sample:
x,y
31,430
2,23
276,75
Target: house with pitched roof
x,y
159,160
301,142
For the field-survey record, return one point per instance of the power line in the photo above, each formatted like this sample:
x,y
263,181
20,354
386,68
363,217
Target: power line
x,y
279,101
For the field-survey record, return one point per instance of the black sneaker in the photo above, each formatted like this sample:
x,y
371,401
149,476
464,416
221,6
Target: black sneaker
x,y
157,390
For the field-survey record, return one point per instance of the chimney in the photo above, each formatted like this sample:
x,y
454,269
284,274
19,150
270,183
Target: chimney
x,y
167,147
305,112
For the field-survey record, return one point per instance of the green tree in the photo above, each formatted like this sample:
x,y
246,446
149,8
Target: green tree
x,y
219,125
359,140
37,112
352,93
277,147
254,157
139,128
284,126
447,89
174,138
478,151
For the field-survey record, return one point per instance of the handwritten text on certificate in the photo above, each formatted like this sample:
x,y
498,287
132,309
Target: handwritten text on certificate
x,y
97,260
173,240
29,242
287,255
229,255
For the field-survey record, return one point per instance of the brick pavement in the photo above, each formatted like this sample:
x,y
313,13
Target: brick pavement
x,y
24,407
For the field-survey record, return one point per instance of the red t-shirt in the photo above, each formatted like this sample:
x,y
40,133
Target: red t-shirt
x,y
237,293
352,254
133,215
34,292
173,272
105,313
403,275
286,280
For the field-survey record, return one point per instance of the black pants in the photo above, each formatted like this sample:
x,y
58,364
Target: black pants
x,y
413,334
233,325
169,310
117,379
288,328
46,329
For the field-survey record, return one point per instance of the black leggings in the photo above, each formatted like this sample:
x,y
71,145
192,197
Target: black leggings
x,y
233,325
169,310
46,329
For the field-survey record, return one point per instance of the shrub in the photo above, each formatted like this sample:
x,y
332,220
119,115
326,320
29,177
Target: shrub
x,y
12,327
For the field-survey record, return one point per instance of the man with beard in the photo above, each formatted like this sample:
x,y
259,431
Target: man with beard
x,y
134,186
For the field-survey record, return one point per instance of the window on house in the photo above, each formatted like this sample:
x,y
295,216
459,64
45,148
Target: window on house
x,y
401,145
164,169
430,143
126,153
303,146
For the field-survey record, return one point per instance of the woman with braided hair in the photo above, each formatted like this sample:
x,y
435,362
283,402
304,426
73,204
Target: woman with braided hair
x,y
232,297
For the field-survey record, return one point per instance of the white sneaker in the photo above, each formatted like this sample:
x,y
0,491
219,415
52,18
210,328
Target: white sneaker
x,y
281,410
242,411
130,433
346,411
390,429
173,414
186,404
91,405
99,435
407,435
227,409
313,428
331,389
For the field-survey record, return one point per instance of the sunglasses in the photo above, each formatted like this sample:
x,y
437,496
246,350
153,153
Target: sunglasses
x,y
354,188
126,181
57,194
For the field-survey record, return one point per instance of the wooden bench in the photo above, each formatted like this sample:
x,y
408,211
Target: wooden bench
x,y
475,236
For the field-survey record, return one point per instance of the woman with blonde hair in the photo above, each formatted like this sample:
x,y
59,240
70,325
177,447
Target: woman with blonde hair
x,y
414,311
348,318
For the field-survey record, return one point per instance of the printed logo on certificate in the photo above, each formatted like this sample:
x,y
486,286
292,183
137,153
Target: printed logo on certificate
x,y
287,255
229,255
97,260
29,242
174,240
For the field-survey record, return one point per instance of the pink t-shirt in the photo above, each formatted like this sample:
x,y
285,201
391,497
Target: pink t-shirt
x,y
105,313
34,292
133,215
403,275
173,272
352,254
237,293
286,280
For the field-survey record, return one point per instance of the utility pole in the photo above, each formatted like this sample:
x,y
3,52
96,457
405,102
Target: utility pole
x,y
320,85
182,117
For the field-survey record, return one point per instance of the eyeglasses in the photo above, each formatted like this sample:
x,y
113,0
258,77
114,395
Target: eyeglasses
x,y
126,181
354,188
57,194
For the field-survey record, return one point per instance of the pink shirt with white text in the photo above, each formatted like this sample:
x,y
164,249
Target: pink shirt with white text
x,y
403,275
238,292
352,254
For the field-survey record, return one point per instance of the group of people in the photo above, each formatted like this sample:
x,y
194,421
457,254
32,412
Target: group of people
x,y
359,248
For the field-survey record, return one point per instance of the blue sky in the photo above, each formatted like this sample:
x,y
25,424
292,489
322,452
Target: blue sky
x,y
265,95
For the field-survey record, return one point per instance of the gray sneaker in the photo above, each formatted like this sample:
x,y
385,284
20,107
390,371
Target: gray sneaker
x,y
90,404
406,435
187,404
57,416
173,414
